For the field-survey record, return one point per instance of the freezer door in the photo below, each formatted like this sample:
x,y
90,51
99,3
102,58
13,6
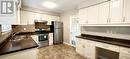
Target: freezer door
x,y
58,25
58,36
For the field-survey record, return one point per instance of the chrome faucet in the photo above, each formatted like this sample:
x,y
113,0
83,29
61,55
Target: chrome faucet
x,y
13,34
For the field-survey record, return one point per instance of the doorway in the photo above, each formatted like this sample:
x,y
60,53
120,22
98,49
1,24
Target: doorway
x,y
74,30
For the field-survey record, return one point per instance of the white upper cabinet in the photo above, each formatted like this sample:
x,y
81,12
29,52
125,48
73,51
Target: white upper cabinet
x,y
51,18
93,15
111,12
83,16
116,11
126,15
104,13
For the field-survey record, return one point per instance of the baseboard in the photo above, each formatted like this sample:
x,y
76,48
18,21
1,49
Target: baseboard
x,y
67,43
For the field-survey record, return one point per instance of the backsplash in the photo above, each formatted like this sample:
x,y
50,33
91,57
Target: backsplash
x,y
121,32
23,28
108,29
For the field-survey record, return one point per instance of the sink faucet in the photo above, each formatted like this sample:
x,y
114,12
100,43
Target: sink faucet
x,y
13,34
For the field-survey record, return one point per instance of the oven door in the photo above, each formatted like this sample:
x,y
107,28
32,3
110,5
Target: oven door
x,y
42,37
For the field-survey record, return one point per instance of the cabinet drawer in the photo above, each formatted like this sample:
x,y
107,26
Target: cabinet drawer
x,y
107,46
90,42
125,50
124,53
124,57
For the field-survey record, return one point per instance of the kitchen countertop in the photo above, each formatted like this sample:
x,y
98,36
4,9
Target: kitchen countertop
x,y
4,36
9,46
14,46
33,33
113,41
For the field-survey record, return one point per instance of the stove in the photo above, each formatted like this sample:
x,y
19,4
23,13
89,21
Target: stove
x,y
43,38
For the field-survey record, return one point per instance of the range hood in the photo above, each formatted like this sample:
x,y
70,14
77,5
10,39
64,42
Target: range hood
x,y
42,21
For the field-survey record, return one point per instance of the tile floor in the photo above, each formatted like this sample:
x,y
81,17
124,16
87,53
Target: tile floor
x,y
60,51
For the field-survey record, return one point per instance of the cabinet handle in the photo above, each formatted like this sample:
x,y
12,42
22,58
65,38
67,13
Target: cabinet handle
x,y
87,22
109,20
123,19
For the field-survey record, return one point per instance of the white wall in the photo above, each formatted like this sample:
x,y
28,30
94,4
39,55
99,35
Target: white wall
x,y
6,19
28,17
65,18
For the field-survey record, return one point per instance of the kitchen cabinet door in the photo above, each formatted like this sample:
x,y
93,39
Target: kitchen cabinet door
x,y
116,11
51,18
50,38
126,16
90,49
124,53
86,48
104,13
24,54
80,47
35,38
83,16
93,15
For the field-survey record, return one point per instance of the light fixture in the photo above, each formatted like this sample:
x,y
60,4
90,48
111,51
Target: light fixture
x,y
49,4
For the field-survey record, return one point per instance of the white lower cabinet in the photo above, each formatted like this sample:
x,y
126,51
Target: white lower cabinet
x,y
25,54
86,48
124,53
80,47
50,38
90,49
35,38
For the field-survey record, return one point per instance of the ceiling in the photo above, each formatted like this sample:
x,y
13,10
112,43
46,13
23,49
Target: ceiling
x,y
63,5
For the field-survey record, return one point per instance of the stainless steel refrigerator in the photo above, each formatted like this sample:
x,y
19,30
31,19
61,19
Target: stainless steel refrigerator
x,y
58,32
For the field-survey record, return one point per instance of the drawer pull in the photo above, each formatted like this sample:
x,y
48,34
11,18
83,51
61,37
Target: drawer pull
x,y
129,52
83,46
